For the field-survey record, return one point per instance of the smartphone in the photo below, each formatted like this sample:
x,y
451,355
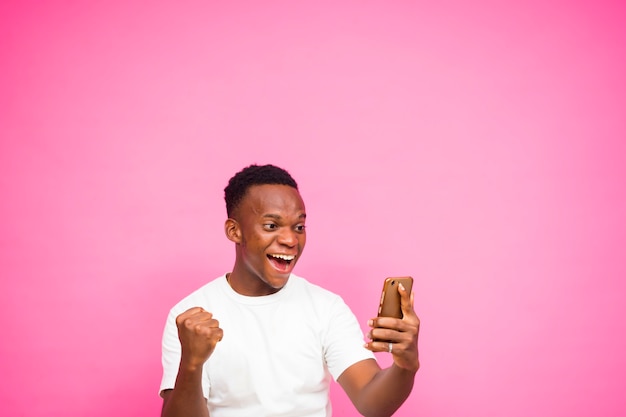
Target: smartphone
x,y
390,297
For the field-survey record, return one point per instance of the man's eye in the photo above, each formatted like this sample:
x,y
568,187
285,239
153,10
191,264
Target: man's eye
x,y
300,228
270,226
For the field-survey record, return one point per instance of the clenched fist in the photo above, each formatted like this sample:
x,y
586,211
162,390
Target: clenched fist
x,y
198,332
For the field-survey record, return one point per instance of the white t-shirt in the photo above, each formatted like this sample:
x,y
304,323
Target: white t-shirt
x,y
278,352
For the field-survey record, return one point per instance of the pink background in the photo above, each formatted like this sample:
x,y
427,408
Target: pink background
x,y
477,146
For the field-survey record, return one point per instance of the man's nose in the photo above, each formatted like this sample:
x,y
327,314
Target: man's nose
x,y
288,237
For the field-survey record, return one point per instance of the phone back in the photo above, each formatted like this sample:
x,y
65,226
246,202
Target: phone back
x,y
390,297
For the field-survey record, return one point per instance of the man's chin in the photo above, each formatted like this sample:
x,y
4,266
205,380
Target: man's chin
x,y
277,281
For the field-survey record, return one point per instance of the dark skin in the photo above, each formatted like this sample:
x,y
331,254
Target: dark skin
x,y
267,225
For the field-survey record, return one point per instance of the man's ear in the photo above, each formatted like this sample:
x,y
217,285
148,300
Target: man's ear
x,y
232,230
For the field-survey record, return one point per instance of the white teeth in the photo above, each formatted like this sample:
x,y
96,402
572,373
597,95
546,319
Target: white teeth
x,y
284,257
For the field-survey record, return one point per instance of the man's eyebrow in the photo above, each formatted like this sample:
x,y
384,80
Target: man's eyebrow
x,y
279,217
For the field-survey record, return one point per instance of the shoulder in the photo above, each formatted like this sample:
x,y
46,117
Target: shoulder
x,y
201,296
322,299
302,285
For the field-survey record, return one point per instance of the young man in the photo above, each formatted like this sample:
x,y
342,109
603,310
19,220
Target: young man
x,y
279,338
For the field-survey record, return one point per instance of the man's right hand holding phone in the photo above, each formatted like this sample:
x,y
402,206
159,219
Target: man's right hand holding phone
x,y
397,336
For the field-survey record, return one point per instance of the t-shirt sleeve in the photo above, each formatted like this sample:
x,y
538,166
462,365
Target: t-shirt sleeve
x,y
343,340
170,353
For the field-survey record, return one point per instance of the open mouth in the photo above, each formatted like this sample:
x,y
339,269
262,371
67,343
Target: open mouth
x,y
281,262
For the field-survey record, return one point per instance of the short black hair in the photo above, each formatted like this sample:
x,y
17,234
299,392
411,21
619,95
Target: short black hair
x,y
251,175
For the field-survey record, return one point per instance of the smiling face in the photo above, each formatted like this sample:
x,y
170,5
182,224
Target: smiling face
x,y
268,230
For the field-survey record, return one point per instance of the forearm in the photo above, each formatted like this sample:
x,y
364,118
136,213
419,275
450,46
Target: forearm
x,y
386,392
186,399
